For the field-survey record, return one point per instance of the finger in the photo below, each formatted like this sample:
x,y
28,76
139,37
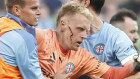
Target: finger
x,y
138,59
67,75
96,77
61,71
51,60
135,57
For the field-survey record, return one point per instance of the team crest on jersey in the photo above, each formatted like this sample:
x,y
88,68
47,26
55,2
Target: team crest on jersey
x,y
69,67
99,48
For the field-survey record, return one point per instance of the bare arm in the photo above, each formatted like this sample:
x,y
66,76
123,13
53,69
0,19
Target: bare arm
x,y
136,76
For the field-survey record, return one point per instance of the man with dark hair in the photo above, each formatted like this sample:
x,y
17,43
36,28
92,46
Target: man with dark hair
x,y
18,48
126,20
106,42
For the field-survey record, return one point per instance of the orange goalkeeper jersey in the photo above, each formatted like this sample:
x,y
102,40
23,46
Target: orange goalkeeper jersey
x,y
78,62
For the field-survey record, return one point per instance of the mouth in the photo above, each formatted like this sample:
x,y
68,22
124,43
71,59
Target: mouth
x,y
134,41
36,19
79,43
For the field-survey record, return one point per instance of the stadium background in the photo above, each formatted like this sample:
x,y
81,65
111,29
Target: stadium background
x,y
49,9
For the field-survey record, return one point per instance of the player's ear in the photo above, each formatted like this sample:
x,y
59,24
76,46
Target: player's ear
x,y
86,3
16,10
63,25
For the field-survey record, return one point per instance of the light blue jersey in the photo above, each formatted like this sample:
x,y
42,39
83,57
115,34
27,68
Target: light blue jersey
x,y
18,48
110,45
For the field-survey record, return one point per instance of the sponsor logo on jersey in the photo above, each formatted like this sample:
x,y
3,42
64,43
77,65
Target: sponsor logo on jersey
x,y
46,73
69,67
99,48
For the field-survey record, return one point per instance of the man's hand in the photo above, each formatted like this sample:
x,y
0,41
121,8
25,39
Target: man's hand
x,y
136,76
95,77
60,75
136,62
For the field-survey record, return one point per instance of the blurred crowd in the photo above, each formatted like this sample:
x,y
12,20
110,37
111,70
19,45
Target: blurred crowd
x,y
49,10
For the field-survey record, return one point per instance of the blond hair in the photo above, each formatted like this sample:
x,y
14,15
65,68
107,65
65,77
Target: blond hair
x,y
71,9
10,3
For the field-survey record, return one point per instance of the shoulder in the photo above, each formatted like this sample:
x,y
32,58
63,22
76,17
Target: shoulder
x,y
45,38
19,38
42,33
112,31
110,28
13,40
12,37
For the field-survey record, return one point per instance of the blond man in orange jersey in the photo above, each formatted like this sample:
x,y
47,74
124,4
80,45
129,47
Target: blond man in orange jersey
x,y
60,49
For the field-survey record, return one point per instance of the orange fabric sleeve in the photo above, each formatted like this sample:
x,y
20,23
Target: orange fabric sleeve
x,y
90,65
119,73
95,67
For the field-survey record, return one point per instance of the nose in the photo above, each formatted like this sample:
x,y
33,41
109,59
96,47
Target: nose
x,y
84,35
38,12
136,36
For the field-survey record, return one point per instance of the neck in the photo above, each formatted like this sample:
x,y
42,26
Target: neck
x,y
61,40
96,23
61,44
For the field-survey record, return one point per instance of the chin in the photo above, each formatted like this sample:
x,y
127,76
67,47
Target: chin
x,y
75,48
34,24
